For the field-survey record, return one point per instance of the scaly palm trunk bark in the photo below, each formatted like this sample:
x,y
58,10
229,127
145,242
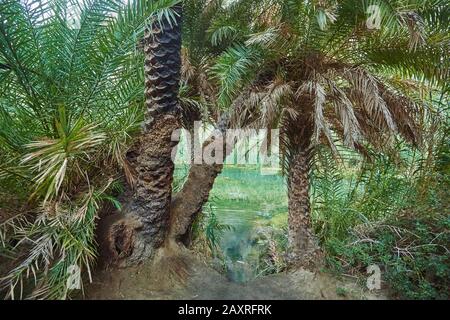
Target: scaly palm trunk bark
x,y
303,248
188,203
151,202
135,235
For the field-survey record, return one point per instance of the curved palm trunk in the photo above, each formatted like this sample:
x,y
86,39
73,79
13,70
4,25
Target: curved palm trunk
x,y
303,249
188,203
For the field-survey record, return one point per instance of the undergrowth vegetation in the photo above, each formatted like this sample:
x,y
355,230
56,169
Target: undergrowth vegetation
x,y
393,213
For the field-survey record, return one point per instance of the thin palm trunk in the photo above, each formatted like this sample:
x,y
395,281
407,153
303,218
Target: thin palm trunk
x,y
188,203
303,249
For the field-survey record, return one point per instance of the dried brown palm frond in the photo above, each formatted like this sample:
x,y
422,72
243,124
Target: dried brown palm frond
x,y
260,106
416,28
337,101
345,110
277,95
363,88
244,110
196,91
241,111
406,114
46,262
320,122
188,71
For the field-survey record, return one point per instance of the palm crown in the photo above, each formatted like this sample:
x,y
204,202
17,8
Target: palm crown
x,y
316,66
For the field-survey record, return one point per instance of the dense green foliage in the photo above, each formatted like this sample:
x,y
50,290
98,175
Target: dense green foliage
x,y
71,92
296,52
394,215
71,105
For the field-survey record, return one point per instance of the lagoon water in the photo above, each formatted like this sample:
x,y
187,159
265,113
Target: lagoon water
x,y
252,205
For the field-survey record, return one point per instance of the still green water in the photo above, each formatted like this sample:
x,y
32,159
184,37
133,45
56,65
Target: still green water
x,y
253,204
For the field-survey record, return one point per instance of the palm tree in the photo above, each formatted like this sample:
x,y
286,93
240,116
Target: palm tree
x,y
315,70
200,50
178,91
71,96
153,192
177,94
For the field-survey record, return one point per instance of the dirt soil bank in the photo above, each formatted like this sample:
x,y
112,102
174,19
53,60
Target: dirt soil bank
x,y
187,277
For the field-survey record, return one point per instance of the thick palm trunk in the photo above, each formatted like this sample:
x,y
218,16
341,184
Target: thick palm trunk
x,y
151,202
303,249
135,235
